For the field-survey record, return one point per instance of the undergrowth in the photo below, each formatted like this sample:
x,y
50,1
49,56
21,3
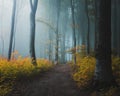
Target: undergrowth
x,y
83,71
12,70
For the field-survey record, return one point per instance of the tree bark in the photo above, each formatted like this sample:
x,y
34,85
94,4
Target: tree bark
x,y
33,6
12,30
57,33
96,27
74,31
114,33
88,31
103,71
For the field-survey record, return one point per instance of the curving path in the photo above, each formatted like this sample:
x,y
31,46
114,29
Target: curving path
x,y
57,82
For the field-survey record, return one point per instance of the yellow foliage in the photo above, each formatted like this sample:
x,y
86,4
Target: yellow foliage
x,y
18,68
81,49
116,67
84,71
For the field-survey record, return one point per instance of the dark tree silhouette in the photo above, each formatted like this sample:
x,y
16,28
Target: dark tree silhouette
x,y
88,25
12,29
33,6
103,71
57,32
73,27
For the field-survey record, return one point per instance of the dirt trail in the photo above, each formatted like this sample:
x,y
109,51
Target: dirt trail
x,y
56,82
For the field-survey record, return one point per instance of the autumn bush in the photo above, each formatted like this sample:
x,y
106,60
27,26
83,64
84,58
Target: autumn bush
x,y
116,67
83,71
19,68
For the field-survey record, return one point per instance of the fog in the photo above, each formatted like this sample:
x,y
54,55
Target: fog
x,y
22,27
60,26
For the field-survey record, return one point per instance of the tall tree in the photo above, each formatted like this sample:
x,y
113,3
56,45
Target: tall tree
x,y
115,27
118,28
33,6
88,31
96,39
50,35
73,27
103,71
12,29
57,32
1,29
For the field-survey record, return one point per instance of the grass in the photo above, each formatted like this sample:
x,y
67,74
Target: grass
x,y
17,69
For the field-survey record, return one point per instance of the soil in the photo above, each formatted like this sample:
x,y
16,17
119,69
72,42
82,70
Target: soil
x,y
56,82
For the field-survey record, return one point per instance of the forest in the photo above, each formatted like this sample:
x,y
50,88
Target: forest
x,y
59,48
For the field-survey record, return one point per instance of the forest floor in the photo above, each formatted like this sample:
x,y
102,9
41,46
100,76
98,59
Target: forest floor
x,y
56,82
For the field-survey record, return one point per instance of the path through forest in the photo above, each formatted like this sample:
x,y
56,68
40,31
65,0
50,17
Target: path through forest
x,y
56,82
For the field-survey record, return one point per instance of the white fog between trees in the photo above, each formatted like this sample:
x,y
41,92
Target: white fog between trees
x,y
45,25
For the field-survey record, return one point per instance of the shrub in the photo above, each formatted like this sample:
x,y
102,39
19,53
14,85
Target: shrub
x,y
84,71
19,68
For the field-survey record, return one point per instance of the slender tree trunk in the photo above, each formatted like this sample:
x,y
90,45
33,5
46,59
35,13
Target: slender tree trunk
x,y
118,27
73,27
96,31
12,29
33,6
50,37
103,71
50,45
63,54
114,43
88,31
57,34
2,41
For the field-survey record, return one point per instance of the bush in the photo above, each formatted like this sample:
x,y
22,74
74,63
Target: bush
x,y
84,71
19,68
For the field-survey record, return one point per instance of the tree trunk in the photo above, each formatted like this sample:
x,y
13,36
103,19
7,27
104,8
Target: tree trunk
x,y
33,6
114,33
118,27
96,31
88,32
103,71
73,27
57,34
12,29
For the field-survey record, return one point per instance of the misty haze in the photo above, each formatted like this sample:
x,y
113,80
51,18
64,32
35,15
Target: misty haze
x,y
59,47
